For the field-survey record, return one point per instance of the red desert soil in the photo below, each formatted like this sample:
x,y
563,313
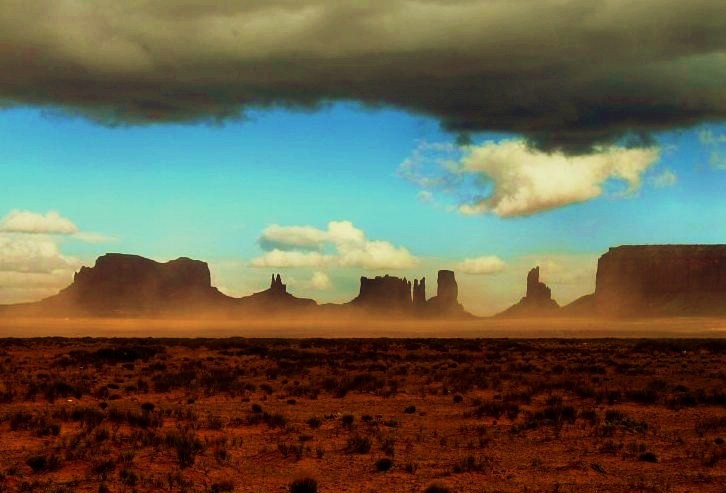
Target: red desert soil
x,y
252,415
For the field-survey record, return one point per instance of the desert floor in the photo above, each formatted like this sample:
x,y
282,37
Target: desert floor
x,y
363,415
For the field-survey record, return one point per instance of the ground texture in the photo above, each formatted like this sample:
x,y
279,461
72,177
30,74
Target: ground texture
x,y
368,415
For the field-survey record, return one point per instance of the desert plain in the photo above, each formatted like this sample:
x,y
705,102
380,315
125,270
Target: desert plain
x,y
530,412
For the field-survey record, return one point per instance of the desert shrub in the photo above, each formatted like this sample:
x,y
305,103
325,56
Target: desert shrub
x,y
128,477
358,445
148,407
314,422
187,446
348,420
648,457
458,398
470,464
168,381
409,409
437,488
384,464
39,463
103,467
88,416
304,485
224,486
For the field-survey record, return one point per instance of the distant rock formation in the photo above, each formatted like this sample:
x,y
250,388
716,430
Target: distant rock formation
x,y
537,301
275,299
120,284
446,302
657,280
384,293
419,293
394,296
276,285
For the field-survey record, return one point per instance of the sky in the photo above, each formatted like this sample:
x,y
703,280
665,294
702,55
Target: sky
x,y
402,146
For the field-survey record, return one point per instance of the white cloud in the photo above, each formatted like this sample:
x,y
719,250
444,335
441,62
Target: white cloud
x,y
481,265
31,255
527,181
425,196
666,178
291,245
89,237
286,237
320,281
21,221
714,143
509,178
290,258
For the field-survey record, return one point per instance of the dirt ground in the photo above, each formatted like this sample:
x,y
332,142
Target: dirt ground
x,y
363,415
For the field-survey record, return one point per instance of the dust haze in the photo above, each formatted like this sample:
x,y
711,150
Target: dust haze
x,y
346,327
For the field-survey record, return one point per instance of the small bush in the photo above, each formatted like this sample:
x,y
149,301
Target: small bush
x,y
437,488
410,409
40,463
384,464
222,487
648,457
304,485
358,445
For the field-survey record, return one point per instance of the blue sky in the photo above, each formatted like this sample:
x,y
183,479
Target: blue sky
x,y
209,191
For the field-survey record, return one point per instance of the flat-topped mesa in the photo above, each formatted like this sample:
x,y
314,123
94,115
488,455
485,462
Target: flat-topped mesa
x,y
536,302
649,280
120,283
384,293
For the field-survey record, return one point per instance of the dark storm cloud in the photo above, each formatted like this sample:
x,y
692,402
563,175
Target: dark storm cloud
x,y
566,74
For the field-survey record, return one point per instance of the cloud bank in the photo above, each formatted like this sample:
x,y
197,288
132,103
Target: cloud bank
x,y
18,221
340,245
510,178
566,75
32,265
481,265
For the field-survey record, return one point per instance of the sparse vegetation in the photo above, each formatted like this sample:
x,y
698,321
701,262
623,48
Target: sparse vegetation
x,y
399,415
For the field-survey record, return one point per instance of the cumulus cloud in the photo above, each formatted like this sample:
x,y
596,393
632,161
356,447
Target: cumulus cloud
x,y
510,178
481,265
291,258
666,178
715,143
20,221
32,265
566,75
320,281
31,255
341,244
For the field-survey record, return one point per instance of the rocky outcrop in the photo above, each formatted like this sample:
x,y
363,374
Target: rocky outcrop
x,y
661,280
384,294
537,301
419,293
394,296
275,300
446,302
276,285
120,284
